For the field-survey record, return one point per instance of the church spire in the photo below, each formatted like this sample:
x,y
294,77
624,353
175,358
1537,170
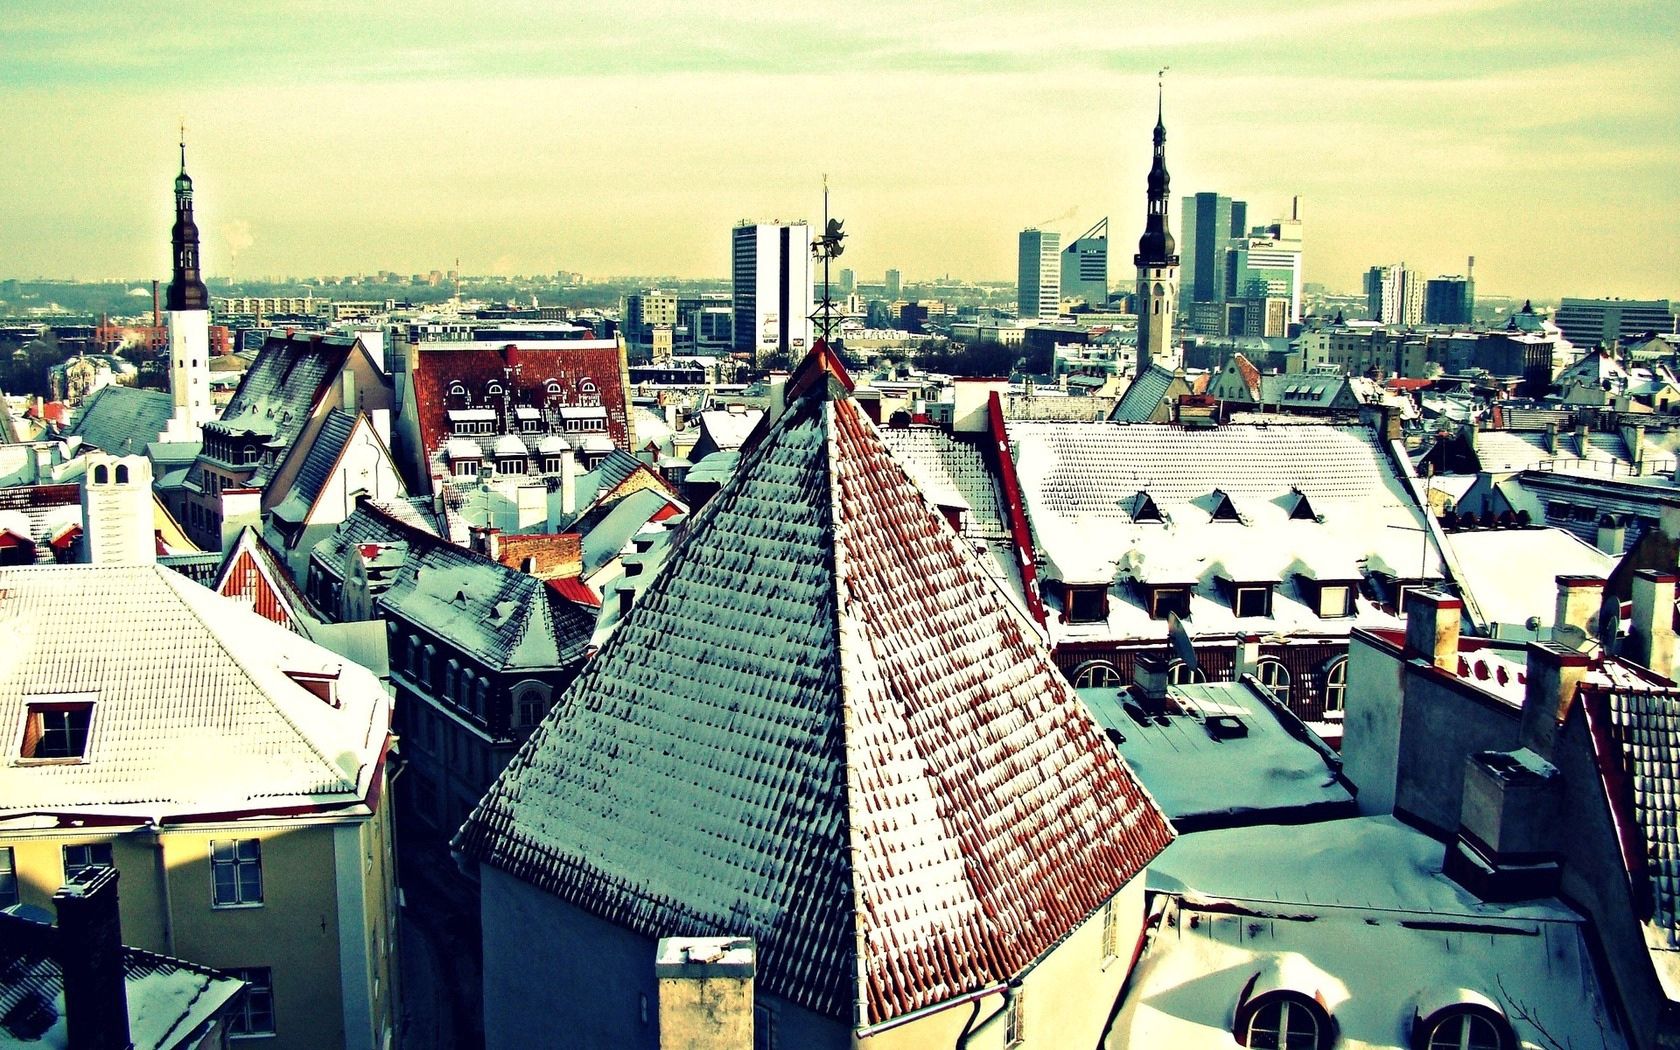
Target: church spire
x,y
186,287
1156,247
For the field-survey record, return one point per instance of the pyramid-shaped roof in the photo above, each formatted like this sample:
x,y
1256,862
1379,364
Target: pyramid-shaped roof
x,y
825,727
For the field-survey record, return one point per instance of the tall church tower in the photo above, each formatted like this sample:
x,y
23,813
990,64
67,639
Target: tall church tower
x,y
189,322
1157,266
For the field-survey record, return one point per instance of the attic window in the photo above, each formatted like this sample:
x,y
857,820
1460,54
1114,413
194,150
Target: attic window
x,y
1251,599
1144,508
1466,1027
56,730
1303,509
1282,1021
323,684
1087,604
1223,508
1164,600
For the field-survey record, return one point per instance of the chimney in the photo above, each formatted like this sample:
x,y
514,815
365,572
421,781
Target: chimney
x,y
43,463
1555,673
1505,849
1612,535
1634,438
1432,628
90,954
1650,641
1246,657
705,993
1579,599
1149,682
347,385
1551,438
1581,436
157,318
568,482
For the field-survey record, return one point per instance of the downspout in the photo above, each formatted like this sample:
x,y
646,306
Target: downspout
x,y
156,830
971,1029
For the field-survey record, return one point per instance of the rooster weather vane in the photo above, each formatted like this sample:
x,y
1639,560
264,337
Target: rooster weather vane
x,y
825,248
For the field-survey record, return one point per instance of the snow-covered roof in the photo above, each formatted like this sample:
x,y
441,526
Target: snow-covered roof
x,y
1357,915
1144,396
168,999
1081,483
1511,573
824,727
122,420
511,445
952,473
318,463
195,707
729,430
1603,453
1204,774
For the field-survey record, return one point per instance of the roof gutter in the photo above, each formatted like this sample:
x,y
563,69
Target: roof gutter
x,y
926,1011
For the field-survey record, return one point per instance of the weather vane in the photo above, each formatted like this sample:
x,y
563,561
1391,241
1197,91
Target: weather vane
x,y
826,247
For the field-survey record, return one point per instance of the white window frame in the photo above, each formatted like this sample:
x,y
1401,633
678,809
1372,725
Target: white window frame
x,y
1015,1019
1268,670
1335,689
1087,675
237,856
89,860
9,893
259,992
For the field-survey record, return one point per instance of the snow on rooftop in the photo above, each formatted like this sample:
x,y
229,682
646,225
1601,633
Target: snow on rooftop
x,y
1195,773
1511,573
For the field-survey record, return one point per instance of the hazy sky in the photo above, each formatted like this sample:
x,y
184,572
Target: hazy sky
x,y
1542,137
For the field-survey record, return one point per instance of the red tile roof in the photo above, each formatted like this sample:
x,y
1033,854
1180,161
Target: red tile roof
x,y
475,368
823,725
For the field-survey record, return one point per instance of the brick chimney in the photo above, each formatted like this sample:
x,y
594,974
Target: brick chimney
x,y
705,993
1650,641
1555,673
90,954
1149,682
1579,599
1432,628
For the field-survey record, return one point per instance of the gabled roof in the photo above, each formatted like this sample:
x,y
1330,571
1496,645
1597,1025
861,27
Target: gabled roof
x,y
318,462
279,392
168,999
951,472
123,420
1143,398
194,709
605,536
824,727
254,575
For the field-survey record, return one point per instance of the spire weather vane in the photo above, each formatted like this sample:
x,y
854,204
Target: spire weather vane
x,y
825,248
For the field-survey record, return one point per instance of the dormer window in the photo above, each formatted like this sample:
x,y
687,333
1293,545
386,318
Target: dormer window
x,y
1327,598
1174,598
56,730
1144,509
510,464
1464,1026
1087,604
1251,599
1282,1021
1223,508
1303,508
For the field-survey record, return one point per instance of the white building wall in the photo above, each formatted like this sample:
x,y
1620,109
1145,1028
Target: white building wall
x,y
189,374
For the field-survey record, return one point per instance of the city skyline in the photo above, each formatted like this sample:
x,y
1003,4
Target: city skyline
x,y
528,139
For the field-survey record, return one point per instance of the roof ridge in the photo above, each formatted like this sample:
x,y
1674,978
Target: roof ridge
x,y
235,654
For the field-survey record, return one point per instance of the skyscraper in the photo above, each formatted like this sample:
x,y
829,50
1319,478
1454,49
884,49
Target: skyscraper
x,y
772,289
1085,266
1157,266
188,321
1211,221
1266,264
894,284
1450,300
1394,294
1038,283
1596,322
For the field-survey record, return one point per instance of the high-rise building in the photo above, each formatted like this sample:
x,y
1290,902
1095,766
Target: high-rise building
x,y
1038,285
848,282
1266,264
1594,322
1450,300
188,321
645,311
1085,266
1157,266
1394,294
894,284
772,293
1210,223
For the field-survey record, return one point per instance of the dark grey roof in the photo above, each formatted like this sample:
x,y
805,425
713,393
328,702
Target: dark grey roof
x,y
167,998
823,726
322,456
1143,397
199,568
123,420
279,392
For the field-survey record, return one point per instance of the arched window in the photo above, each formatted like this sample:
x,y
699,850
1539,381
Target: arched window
x,y
480,696
1283,1022
252,455
1335,688
1181,673
1467,1030
101,475
1274,676
1096,674
552,388
588,394
122,473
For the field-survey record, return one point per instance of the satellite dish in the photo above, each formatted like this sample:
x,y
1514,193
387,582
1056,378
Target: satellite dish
x,y
1181,641
1569,635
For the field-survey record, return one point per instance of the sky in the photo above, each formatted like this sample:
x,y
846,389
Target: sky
x,y
1540,136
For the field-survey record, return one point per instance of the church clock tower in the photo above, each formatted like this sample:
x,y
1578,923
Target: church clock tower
x,y
188,321
1157,266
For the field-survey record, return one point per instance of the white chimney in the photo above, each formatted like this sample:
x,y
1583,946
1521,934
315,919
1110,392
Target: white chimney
x,y
1650,641
1555,674
1432,628
568,482
1579,599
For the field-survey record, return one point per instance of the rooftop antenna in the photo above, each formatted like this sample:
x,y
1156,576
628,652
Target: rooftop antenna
x,y
826,247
